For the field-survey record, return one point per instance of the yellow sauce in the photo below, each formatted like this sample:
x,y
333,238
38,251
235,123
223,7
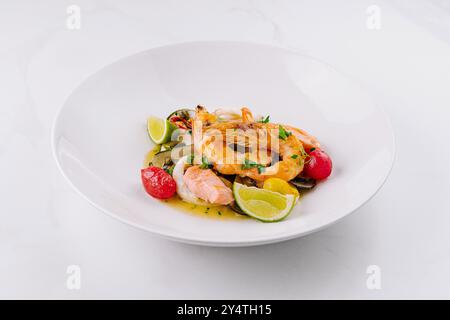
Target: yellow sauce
x,y
216,212
149,156
219,212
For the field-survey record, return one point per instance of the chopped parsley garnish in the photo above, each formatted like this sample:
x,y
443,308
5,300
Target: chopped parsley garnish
x,y
265,120
303,153
312,149
303,156
282,133
205,163
294,156
169,170
248,164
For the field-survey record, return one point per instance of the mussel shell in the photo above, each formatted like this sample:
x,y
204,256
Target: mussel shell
x,y
303,183
233,206
162,158
184,113
249,182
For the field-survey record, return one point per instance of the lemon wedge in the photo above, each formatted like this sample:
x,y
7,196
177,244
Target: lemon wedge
x,y
261,204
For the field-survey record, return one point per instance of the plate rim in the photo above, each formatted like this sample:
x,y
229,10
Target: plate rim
x,y
196,240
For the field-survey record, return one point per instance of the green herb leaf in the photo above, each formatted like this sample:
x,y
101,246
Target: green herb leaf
x,y
169,170
312,149
205,163
248,164
294,156
303,153
265,120
282,133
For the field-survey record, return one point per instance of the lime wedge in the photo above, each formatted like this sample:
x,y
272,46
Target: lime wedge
x,y
160,130
264,205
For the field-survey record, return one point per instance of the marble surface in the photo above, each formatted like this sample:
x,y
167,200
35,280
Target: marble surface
x,y
46,226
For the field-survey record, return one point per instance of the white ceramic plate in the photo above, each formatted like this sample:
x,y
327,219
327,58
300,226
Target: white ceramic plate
x,y
100,139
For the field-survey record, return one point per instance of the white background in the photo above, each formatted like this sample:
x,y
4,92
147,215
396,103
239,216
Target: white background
x,y
45,226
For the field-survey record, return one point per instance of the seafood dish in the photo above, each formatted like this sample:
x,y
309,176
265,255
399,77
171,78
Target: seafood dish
x,y
232,161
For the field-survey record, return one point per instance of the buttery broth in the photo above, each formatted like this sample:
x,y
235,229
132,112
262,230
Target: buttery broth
x,y
216,212
149,156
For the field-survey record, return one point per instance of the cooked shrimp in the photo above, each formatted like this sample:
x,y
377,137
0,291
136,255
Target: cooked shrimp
x,y
290,165
305,138
247,148
247,115
203,116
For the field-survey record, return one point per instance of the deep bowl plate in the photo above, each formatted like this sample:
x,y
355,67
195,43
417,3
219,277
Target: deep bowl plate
x,y
100,139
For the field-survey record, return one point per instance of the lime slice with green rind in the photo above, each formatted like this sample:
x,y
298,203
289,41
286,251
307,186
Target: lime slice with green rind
x,y
160,130
261,204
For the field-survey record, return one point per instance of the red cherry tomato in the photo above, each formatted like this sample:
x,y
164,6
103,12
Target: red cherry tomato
x,y
318,165
158,183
